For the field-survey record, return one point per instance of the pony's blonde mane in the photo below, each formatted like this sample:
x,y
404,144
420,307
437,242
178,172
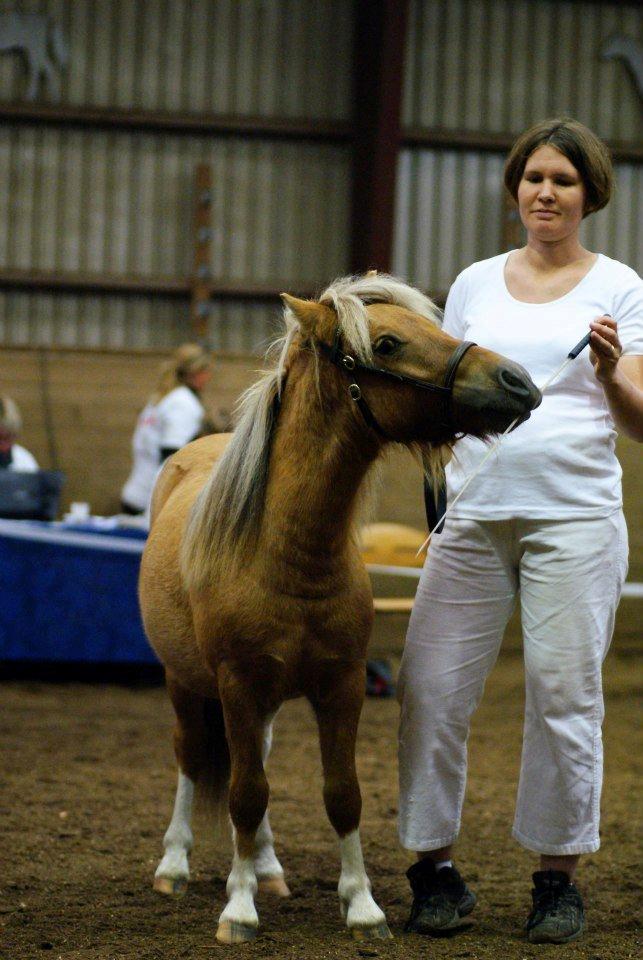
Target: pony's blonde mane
x,y
226,516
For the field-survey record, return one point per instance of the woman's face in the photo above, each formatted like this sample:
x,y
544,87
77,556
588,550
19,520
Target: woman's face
x,y
198,378
551,196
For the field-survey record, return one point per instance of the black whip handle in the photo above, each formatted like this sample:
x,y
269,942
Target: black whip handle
x,y
580,346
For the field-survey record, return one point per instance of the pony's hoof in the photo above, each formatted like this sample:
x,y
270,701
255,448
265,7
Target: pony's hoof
x,y
171,886
229,931
379,931
277,886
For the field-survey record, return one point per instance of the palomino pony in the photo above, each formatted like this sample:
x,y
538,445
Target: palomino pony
x,y
252,587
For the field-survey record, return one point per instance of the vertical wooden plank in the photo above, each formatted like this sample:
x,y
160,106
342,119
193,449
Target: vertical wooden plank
x,y
202,277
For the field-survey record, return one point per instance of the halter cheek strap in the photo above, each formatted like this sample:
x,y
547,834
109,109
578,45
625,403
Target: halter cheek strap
x,y
349,365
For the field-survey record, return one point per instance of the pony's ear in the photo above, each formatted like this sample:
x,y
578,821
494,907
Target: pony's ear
x,y
312,315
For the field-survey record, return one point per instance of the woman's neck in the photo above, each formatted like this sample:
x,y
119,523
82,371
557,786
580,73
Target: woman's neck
x,y
542,257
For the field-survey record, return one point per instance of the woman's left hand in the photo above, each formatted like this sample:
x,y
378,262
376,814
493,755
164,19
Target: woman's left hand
x,y
606,348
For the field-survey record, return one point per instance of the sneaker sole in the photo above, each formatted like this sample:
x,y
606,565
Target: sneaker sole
x,y
446,928
546,939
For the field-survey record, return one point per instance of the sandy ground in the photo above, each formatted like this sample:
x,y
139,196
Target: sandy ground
x,y
89,788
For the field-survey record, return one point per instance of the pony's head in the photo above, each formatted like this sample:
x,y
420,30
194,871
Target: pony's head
x,y
407,380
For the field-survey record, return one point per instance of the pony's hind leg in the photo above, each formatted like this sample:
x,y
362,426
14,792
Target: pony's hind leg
x,y
337,701
239,921
190,746
268,870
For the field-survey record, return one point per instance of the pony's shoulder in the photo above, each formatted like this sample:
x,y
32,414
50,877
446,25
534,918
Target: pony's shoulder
x,y
201,453
194,460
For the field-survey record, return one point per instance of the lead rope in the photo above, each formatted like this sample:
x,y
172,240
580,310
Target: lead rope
x,y
573,353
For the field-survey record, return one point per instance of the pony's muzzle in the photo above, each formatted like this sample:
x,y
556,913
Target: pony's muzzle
x,y
517,382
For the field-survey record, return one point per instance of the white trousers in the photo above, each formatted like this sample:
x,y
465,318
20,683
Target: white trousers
x,y
569,576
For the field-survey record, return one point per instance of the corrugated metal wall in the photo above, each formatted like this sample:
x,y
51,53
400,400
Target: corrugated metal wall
x,y
122,202
274,58
135,321
498,65
89,200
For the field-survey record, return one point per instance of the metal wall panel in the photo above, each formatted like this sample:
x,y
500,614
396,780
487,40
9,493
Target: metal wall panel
x,y
448,214
123,203
450,209
83,320
501,65
254,57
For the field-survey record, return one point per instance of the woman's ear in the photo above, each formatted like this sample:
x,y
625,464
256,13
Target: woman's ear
x,y
313,316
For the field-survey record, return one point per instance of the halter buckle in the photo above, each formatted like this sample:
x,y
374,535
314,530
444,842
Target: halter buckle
x,y
355,391
348,362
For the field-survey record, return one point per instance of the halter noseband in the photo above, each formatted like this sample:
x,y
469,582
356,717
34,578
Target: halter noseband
x,y
348,365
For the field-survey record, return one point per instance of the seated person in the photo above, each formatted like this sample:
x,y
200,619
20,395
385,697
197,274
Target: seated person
x,y
12,455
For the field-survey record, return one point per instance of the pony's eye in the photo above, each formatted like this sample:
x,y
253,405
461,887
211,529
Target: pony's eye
x,y
385,346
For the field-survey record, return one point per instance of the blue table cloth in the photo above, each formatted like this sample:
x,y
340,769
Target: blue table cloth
x,y
69,594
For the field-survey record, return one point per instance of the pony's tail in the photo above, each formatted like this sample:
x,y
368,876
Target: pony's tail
x,y
214,777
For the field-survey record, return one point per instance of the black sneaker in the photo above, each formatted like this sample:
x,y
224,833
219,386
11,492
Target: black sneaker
x,y
557,914
441,898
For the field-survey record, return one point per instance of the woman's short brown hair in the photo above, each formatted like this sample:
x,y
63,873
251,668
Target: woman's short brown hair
x,y
582,148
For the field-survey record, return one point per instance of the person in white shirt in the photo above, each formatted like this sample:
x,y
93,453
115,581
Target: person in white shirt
x,y
543,521
12,455
173,416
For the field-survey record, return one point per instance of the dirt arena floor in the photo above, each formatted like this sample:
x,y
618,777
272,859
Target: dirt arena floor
x,y
88,790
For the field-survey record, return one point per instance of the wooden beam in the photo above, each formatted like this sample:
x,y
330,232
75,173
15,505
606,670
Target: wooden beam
x,y
267,128
201,286
628,152
378,65
71,282
181,123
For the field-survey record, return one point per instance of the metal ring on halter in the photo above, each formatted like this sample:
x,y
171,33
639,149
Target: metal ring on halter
x,y
348,362
355,391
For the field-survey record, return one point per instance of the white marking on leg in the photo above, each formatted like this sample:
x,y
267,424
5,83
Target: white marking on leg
x,y
266,862
354,888
178,839
241,889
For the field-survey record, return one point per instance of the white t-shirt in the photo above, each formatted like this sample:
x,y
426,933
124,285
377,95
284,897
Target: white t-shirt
x,y
561,463
170,423
22,461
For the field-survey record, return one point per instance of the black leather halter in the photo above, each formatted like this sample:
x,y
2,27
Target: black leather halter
x,y
349,365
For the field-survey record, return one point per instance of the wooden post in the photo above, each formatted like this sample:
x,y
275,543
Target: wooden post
x,y
378,64
201,286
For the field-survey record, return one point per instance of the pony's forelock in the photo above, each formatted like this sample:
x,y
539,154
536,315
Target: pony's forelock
x,y
349,297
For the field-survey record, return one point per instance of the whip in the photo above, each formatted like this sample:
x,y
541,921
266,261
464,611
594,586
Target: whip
x,y
573,353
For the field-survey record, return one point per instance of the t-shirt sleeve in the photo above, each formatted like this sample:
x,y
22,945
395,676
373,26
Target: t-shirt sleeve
x,y
454,322
180,423
627,310
23,461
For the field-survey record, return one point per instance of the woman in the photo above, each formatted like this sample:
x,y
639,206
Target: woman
x,y
173,416
12,455
544,519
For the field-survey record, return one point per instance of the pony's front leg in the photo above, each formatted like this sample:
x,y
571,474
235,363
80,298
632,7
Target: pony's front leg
x,y
337,703
173,872
239,921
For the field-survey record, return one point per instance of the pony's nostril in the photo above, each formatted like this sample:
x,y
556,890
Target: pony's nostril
x,y
514,382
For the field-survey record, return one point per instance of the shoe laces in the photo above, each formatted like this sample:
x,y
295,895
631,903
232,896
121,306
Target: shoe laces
x,y
552,890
